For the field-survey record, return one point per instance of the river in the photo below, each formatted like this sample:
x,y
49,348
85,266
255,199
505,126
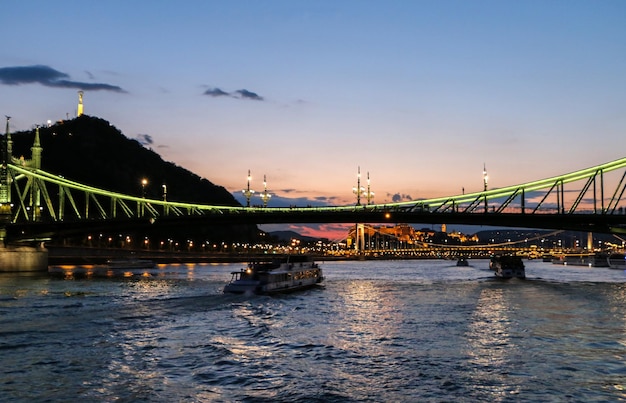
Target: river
x,y
378,331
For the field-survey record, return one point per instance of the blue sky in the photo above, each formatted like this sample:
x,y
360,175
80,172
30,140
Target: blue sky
x,y
420,94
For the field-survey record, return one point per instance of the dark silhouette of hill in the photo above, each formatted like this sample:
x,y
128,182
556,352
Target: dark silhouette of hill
x,y
92,151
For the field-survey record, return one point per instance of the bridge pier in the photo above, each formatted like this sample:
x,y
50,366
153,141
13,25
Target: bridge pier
x,y
23,259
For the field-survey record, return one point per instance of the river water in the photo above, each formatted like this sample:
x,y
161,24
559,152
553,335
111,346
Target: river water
x,y
379,331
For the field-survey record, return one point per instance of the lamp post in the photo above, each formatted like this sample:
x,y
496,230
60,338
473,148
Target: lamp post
x,y
369,193
248,192
485,179
265,196
165,208
358,190
144,183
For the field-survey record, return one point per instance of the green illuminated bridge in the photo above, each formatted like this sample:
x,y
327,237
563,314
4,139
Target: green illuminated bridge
x,y
35,205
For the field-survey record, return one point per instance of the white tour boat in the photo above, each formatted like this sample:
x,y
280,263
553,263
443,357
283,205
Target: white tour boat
x,y
277,276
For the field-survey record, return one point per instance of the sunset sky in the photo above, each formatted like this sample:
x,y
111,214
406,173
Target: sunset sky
x,y
420,94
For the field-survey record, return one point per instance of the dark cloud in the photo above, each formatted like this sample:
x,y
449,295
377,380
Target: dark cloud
x,y
239,94
248,95
30,74
145,139
396,198
216,92
49,77
86,86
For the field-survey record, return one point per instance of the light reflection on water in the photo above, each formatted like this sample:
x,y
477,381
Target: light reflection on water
x,y
377,331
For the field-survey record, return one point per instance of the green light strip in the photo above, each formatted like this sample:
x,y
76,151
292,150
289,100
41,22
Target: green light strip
x,y
435,202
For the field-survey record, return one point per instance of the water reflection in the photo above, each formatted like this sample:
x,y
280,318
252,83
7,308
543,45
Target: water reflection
x,y
71,272
490,344
370,315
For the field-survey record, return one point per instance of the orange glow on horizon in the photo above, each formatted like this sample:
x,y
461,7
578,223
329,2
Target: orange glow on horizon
x,y
333,232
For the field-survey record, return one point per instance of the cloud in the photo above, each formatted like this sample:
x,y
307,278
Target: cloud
x,y
145,139
216,92
248,95
48,77
239,94
396,198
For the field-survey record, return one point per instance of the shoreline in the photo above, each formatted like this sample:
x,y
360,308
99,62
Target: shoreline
x,y
60,255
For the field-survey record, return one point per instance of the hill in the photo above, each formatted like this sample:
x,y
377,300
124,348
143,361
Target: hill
x,y
92,151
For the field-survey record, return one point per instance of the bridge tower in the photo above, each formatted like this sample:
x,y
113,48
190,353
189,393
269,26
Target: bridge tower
x,y
359,242
35,163
5,183
79,109
22,258
485,179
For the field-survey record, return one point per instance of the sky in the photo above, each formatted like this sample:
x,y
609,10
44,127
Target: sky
x,y
420,95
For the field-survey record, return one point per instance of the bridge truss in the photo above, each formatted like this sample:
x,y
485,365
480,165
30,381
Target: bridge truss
x,y
39,199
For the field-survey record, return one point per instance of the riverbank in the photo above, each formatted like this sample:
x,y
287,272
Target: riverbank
x,y
66,255
62,255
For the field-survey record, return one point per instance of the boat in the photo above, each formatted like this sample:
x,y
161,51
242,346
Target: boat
x,y
507,266
617,261
582,259
276,276
129,263
462,261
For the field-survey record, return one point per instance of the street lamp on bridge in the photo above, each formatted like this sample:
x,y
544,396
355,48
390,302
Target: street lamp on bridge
x,y
144,183
265,196
358,190
248,192
485,177
369,193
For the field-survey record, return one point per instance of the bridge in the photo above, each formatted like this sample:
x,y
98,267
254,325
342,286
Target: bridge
x,y
35,205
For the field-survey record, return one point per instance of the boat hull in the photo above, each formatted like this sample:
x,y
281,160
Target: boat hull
x,y
507,267
510,273
462,262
